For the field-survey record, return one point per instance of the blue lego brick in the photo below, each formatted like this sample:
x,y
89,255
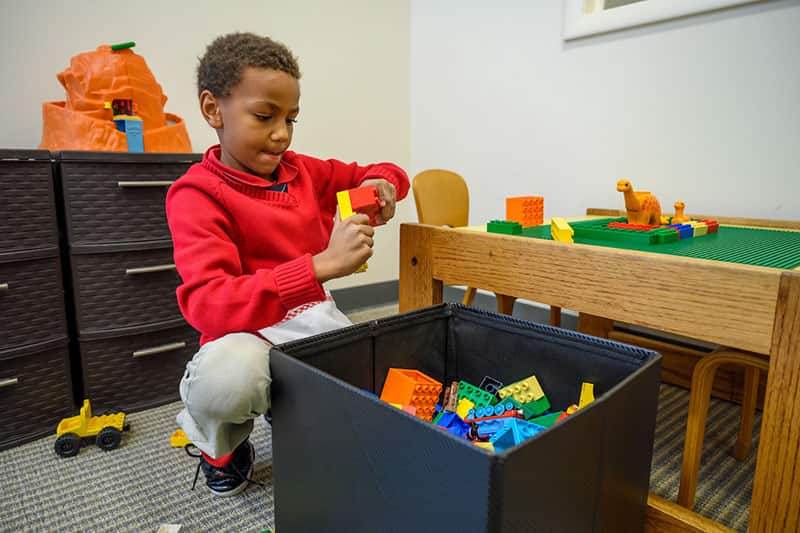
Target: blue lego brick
x,y
686,231
509,404
486,429
453,424
133,133
514,433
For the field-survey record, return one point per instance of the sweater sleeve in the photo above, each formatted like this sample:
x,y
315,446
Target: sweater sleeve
x,y
216,297
331,176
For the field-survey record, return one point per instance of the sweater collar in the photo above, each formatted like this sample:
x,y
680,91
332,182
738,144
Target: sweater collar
x,y
286,171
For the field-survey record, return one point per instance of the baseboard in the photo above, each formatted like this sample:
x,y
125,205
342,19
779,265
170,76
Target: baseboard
x,y
362,296
386,292
523,309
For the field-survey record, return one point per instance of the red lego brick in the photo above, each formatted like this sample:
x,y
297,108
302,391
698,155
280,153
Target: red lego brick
x,y
365,200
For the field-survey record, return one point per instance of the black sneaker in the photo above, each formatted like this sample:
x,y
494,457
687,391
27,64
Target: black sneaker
x,y
232,478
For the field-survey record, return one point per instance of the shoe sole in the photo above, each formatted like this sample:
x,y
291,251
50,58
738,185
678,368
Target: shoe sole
x,y
241,488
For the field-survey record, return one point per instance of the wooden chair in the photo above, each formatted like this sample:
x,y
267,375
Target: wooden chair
x,y
442,199
702,382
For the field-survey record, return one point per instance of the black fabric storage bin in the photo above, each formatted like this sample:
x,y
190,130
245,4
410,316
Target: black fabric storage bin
x,y
345,461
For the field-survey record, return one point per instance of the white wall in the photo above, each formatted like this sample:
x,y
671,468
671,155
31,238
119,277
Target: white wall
x,y
353,55
703,109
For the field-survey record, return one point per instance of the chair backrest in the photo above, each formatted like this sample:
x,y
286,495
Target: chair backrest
x,y
442,198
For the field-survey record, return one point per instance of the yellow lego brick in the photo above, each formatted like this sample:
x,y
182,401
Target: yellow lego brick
x,y
485,445
126,117
525,391
560,230
346,211
463,407
178,439
587,395
345,208
700,228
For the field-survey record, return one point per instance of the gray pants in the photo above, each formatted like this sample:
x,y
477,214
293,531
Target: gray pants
x,y
225,386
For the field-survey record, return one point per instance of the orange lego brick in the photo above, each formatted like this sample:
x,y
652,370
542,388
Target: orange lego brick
x,y
527,210
412,388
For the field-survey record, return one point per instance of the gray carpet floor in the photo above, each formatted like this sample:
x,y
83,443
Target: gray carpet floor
x,y
145,483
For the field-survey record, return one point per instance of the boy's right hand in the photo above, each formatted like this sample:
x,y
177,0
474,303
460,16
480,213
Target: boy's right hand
x,y
349,247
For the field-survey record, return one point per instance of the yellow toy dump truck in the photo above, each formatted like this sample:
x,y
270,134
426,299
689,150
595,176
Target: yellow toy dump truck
x,y
107,430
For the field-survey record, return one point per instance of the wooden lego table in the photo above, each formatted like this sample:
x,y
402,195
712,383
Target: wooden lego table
x,y
750,308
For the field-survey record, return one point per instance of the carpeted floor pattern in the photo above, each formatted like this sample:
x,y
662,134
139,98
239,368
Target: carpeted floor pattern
x,y
145,483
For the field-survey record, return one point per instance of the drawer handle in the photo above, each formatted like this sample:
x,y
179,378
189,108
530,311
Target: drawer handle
x,y
148,270
160,349
8,382
139,184
3,287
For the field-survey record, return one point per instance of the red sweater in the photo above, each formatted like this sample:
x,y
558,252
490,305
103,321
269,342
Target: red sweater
x,y
244,252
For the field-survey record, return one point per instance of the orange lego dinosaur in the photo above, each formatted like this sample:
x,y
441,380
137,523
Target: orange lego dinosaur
x,y
679,217
642,207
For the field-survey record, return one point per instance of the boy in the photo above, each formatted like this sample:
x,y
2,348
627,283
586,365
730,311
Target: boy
x,y
254,239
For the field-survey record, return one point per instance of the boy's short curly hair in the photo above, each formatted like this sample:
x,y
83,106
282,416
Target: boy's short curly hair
x,y
221,68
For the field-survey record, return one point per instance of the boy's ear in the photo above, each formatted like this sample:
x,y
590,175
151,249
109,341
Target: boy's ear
x,y
210,108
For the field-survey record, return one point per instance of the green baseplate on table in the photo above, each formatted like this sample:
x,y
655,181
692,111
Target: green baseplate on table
x,y
732,244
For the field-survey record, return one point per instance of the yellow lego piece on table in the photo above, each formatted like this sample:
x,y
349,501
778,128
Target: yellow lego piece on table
x,y
560,230
587,395
700,228
463,407
525,391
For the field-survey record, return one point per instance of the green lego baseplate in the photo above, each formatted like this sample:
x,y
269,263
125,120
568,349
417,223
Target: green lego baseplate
x,y
731,244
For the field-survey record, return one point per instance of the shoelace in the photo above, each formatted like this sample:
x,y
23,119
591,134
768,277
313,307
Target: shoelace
x,y
199,456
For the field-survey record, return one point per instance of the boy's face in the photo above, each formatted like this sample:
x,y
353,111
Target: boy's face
x,y
255,121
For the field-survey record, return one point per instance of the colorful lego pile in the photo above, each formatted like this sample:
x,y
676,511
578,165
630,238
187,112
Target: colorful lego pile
x,y
644,225
492,416
619,230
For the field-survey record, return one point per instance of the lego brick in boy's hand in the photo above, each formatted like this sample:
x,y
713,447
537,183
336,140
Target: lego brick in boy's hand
x,y
387,198
365,200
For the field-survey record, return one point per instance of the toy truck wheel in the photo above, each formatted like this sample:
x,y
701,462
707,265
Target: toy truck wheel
x,y
68,445
109,438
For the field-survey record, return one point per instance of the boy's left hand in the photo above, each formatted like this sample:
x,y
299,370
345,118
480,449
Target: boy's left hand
x,y
388,198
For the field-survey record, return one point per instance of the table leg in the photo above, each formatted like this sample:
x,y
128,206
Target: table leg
x,y
776,489
505,303
595,325
417,286
555,316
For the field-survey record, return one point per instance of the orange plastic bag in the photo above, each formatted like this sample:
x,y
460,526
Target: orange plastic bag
x,y
85,121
